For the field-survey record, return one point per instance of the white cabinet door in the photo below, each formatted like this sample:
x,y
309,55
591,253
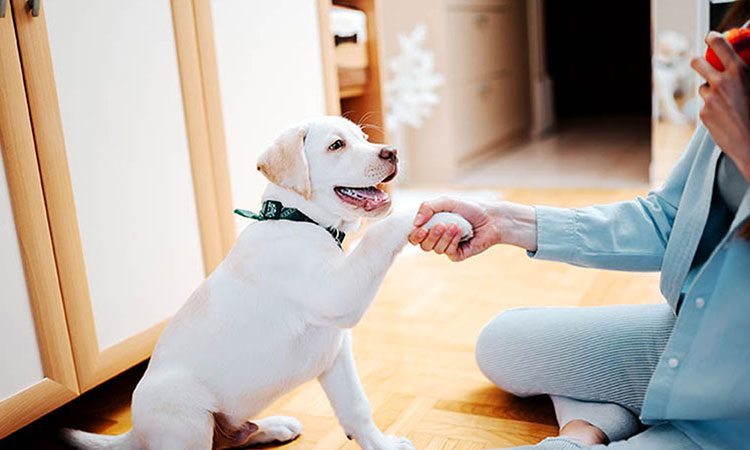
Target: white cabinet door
x,y
271,76
36,364
19,355
121,150
118,88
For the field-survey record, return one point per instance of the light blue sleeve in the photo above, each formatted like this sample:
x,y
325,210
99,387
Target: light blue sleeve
x,y
629,235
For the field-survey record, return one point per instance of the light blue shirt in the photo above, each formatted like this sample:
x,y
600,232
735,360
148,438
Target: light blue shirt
x,y
702,383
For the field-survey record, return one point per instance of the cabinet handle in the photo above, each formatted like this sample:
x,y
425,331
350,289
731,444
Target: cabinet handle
x,y
481,19
3,3
34,6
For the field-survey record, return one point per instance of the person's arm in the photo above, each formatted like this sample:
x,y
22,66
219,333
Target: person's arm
x,y
628,235
503,222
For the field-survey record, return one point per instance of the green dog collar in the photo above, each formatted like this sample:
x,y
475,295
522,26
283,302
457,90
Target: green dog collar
x,y
273,210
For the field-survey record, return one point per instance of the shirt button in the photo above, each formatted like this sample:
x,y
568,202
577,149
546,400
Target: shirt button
x,y
673,363
700,302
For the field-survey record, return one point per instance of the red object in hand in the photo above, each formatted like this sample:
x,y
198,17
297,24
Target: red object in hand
x,y
739,39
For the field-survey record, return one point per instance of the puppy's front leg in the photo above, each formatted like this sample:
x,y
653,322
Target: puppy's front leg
x,y
355,281
345,393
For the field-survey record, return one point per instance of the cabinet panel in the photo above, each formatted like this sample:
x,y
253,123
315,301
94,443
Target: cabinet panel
x,y
21,363
481,40
118,87
488,112
116,101
36,362
270,72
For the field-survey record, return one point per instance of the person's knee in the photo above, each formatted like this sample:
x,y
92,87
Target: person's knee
x,y
499,351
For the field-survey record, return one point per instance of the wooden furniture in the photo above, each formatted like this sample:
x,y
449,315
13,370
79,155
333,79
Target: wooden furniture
x,y
36,359
349,29
361,105
110,169
480,47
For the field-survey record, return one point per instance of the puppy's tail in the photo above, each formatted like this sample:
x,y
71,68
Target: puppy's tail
x,y
91,441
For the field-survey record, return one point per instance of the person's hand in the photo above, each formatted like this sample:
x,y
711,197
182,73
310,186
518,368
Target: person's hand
x,y
726,109
445,239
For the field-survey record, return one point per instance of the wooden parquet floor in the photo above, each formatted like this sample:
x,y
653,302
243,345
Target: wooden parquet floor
x,y
415,351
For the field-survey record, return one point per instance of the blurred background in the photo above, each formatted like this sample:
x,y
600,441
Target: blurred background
x,y
130,131
514,93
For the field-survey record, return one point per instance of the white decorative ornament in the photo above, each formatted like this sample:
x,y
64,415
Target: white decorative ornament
x,y
411,91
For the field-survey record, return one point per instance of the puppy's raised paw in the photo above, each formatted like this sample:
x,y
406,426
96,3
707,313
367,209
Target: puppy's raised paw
x,y
446,218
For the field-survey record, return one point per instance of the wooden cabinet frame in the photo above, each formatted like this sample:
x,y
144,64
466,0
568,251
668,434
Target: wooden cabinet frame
x,y
367,107
209,71
17,143
94,365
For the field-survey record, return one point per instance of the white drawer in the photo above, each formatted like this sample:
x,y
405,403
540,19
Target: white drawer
x,y
486,112
480,41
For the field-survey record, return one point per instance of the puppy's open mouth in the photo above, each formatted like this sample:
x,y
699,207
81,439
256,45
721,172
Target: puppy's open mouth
x,y
369,198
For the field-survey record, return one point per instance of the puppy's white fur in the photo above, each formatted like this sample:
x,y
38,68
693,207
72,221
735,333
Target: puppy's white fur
x,y
276,312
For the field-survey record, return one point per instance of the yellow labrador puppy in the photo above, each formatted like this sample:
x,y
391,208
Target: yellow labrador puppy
x,y
278,310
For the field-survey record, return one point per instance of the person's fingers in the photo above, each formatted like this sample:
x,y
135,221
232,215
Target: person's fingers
x,y
704,69
722,48
433,237
703,91
460,253
417,235
446,239
452,250
427,209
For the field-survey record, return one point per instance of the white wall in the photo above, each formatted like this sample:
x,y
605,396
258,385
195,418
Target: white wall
x,y
271,76
675,15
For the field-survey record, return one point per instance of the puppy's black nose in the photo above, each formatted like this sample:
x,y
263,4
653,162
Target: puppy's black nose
x,y
389,154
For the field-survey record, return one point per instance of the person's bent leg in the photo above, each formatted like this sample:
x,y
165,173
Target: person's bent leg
x,y
600,359
614,421
659,437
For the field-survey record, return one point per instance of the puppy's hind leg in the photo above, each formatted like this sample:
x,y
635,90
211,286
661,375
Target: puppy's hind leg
x,y
172,411
276,429
230,433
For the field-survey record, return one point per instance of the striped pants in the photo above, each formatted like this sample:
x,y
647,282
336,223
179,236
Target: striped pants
x,y
595,364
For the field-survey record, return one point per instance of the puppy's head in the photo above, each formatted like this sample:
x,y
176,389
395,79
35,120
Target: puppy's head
x,y
329,162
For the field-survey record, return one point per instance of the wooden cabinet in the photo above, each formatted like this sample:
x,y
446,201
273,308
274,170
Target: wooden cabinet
x,y
35,357
110,172
480,47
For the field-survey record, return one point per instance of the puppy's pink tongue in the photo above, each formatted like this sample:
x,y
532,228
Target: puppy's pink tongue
x,y
374,199
372,204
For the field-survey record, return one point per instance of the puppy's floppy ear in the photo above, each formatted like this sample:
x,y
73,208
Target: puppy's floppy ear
x,y
284,163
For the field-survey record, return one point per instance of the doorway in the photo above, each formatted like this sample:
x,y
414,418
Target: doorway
x,y
597,63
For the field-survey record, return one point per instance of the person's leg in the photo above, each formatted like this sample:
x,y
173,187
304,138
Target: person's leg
x,y
613,420
599,359
659,437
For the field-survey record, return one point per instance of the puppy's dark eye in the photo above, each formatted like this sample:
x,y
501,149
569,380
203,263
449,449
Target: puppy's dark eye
x,y
337,144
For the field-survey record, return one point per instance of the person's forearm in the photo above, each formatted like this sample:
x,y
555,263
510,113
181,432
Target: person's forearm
x,y
515,224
